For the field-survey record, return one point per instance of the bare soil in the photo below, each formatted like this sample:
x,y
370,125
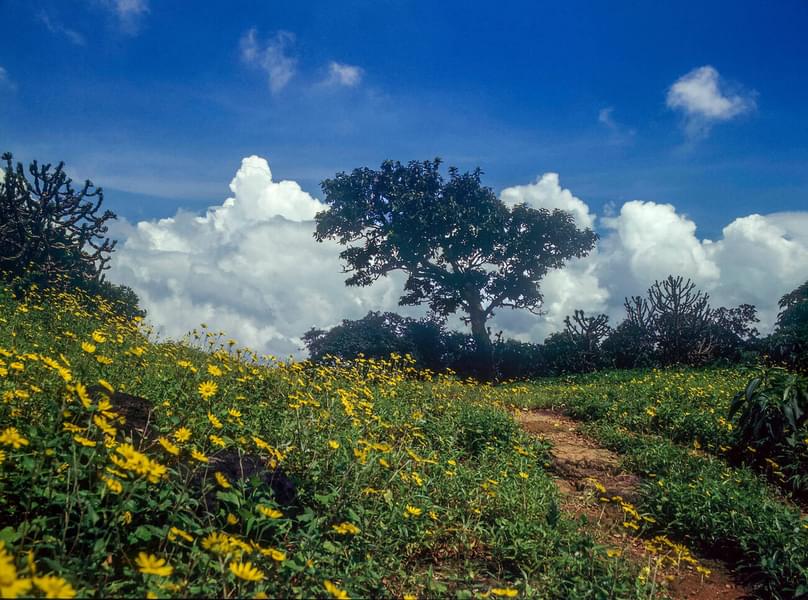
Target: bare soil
x,y
579,462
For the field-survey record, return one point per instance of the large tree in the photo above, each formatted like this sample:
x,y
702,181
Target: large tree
x,y
460,246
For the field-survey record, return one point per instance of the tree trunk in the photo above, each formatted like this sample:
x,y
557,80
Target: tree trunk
x,y
484,349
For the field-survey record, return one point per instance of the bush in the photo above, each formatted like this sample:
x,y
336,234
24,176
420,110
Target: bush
x,y
773,425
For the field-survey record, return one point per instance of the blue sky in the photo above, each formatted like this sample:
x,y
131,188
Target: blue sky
x,y
156,101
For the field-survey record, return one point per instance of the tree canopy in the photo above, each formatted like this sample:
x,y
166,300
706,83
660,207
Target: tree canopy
x,y
460,246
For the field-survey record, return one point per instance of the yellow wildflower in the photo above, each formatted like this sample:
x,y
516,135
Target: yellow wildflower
x,y
54,587
168,446
207,389
149,564
346,528
176,532
270,513
246,571
335,592
12,437
222,480
412,511
88,347
183,434
197,455
214,420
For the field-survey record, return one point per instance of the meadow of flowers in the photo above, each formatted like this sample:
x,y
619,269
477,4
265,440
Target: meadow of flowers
x,y
132,467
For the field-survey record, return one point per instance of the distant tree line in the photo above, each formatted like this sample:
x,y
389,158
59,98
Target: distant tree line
x,y
673,324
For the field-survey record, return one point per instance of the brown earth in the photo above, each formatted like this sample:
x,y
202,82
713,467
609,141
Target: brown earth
x,y
581,467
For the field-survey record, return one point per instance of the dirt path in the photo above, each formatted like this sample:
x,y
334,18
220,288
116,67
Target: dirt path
x,y
593,486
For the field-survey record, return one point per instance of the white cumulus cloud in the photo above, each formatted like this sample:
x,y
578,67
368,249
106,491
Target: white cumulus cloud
x,y
704,99
343,75
252,268
272,57
546,192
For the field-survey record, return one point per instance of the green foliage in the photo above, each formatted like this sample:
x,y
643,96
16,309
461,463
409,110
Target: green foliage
x,y
484,427
460,246
788,345
772,418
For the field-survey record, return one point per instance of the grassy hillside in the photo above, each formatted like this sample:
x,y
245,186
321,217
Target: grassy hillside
x,y
131,467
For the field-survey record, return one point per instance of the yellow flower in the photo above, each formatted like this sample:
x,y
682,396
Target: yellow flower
x,y
523,475
176,532
270,513
346,528
88,347
412,511
214,420
183,434
98,337
236,414
207,389
222,480
104,425
276,555
335,591
505,592
149,564
333,444
197,455
168,446
217,441
214,370
114,485
126,518
246,571
54,587
12,437
84,441
15,588
232,519
106,385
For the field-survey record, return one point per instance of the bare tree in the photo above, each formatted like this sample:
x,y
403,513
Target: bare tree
x,y
676,318
587,334
48,227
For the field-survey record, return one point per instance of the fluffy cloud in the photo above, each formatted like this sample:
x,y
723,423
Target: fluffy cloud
x,y
343,75
546,192
251,267
704,100
272,57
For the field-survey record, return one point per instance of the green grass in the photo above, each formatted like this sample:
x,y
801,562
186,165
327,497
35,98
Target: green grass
x,y
406,483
